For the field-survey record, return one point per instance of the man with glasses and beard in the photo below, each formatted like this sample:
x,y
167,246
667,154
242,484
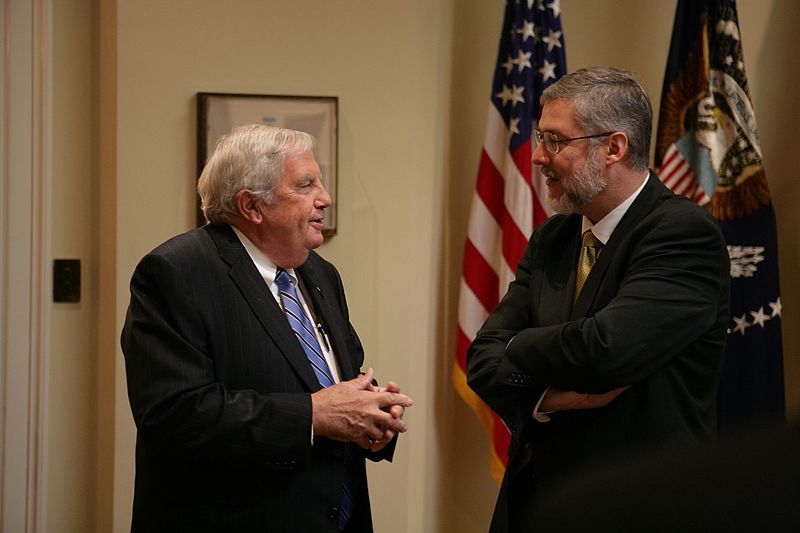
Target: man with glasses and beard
x,y
610,340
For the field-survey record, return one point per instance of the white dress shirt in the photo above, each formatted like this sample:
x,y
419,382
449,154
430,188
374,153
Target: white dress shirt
x,y
268,271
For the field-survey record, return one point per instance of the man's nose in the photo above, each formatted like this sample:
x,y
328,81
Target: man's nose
x,y
540,155
323,199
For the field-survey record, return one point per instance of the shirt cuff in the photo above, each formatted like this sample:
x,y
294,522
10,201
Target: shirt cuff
x,y
541,416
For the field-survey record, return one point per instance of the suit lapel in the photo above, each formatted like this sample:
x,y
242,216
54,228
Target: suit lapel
x,y
560,258
319,293
653,192
266,310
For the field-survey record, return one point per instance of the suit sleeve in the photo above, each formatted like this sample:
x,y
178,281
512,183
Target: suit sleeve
x,y
178,403
674,278
512,396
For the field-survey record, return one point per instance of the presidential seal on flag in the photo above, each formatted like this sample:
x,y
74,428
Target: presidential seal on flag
x,y
708,139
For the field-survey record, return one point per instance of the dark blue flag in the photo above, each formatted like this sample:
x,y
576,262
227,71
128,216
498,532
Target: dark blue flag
x,y
708,149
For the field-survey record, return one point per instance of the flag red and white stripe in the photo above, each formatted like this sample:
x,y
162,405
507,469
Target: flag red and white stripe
x,y
676,174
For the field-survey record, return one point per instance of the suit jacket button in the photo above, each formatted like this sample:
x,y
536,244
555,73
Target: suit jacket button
x,y
338,451
333,512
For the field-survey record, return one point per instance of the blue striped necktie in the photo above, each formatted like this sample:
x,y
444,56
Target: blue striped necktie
x,y
304,331
302,327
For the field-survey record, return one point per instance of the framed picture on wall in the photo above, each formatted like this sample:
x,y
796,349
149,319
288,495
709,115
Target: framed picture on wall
x,y
219,113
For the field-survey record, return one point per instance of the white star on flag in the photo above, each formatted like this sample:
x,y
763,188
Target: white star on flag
x,y
759,317
527,31
552,40
776,308
548,70
516,96
523,60
741,324
505,94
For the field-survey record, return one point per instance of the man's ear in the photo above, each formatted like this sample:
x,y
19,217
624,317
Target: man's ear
x,y
247,205
617,147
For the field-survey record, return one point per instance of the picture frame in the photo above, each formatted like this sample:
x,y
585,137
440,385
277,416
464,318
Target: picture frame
x,y
219,113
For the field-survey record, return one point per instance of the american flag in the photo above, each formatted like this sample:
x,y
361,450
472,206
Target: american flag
x,y
506,207
708,149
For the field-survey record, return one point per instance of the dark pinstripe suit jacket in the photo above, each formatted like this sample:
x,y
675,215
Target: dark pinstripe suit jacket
x,y
219,389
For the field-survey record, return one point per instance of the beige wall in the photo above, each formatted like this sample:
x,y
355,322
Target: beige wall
x,y
70,386
412,80
388,64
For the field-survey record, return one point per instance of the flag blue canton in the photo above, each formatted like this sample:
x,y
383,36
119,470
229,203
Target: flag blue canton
x,y
531,56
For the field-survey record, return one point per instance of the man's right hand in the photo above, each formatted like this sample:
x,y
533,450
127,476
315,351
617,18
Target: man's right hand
x,y
353,411
557,400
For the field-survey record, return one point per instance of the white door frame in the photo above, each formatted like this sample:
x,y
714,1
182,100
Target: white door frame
x,y
25,287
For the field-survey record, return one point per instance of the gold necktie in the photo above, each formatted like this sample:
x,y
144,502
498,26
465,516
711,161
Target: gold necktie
x,y
590,247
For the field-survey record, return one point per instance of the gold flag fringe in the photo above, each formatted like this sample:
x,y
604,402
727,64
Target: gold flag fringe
x,y
746,196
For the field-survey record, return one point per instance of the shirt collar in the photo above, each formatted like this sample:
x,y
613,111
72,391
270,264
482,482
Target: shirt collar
x,y
264,264
606,226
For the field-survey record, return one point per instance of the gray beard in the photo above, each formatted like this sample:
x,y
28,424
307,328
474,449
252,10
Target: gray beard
x,y
579,189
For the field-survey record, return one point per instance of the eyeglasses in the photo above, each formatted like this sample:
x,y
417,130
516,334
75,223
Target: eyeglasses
x,y
553,144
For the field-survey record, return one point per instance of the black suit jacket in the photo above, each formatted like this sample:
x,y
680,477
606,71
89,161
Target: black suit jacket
x,y
652,314
220,393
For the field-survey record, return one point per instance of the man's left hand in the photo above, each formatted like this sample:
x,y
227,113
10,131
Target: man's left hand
x,y
396,411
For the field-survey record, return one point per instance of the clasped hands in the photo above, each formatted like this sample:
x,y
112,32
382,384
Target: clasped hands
x,y
358,411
